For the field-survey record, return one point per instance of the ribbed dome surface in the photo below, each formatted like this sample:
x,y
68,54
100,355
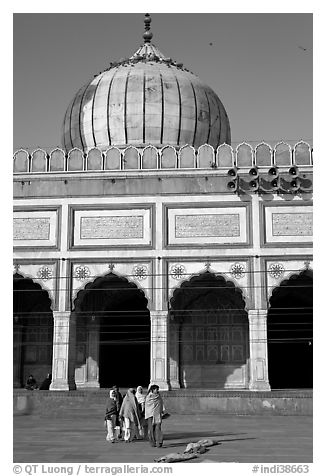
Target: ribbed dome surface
x,y
146,99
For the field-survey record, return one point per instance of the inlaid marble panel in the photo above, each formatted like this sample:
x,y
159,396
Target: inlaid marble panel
x,y
108,227
207,225
35,228
31,228
198,225
288,224
292,224
111,227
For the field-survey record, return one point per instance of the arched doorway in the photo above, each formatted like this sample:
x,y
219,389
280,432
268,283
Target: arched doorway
x,y
113,334
33,331
208,315
290,333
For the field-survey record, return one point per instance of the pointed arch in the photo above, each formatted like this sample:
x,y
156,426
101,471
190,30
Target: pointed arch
x,y
131,158
290,332
168,157
21,161
302,153
282,154
225,156
187,157
57,160
94,159
75,160
244,155
263,155
205,157
32,329
112,159
207,313
112,319
149,158
39,161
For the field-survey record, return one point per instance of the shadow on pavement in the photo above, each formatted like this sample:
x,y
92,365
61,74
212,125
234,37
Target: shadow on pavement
x,y
197,434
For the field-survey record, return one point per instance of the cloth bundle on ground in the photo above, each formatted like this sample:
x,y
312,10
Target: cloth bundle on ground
x,y
197,447
175,457
193,450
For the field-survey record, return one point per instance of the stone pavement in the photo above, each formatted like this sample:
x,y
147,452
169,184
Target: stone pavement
x,y
243,439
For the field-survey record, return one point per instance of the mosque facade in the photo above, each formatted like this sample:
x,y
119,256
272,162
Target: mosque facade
x,y
149,249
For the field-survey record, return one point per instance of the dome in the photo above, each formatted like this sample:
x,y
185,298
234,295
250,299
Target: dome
x,y
145,99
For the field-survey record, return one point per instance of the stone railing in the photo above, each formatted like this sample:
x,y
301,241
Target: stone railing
x,y
168,157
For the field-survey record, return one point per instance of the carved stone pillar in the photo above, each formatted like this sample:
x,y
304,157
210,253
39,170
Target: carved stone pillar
x,y
258,350
17,355
64,341
159,349
92,363
174,349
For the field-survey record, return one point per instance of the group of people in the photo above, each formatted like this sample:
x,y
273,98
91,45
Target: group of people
x,y
136,416
31,383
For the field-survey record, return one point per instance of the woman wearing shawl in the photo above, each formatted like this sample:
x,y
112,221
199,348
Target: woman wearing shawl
x,y
111,417
153,415
140,397
130,413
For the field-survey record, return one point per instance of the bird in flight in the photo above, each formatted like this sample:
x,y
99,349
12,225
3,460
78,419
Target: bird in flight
x,y
302,48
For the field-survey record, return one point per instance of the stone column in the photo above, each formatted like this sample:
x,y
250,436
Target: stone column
x,y
258,350
17,354
64,335
159,349
92,367
174,349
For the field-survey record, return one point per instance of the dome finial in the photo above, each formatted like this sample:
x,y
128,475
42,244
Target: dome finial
x,y
148,35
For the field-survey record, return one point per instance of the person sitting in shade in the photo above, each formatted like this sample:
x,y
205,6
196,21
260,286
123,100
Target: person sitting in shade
x,y
111,418
45,385
31,383
154,410
130,413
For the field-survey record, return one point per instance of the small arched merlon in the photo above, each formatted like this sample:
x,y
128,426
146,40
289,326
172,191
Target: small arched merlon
x,y
57,160
224,156
39,161
149,158
206,157
263,155
112,159
94,159
131,159
75,160
21,161
282,154
187,157
302,153
244,155
168,157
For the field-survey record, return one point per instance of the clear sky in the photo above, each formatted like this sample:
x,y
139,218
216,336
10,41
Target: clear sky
x,y
259,64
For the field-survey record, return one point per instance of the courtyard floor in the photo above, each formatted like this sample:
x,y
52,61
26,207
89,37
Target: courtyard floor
x,y
243,439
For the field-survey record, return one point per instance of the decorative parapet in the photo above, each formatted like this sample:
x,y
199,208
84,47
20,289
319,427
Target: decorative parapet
x,y
243,155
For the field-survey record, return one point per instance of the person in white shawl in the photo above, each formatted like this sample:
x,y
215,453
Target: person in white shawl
x,y
140,397
153,414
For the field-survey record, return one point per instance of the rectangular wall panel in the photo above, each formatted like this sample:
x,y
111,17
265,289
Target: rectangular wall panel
x,y
288,224
207,226
33,228
112,227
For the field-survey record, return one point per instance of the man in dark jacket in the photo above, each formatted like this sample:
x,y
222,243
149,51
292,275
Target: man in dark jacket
x,y
111,418
118,399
